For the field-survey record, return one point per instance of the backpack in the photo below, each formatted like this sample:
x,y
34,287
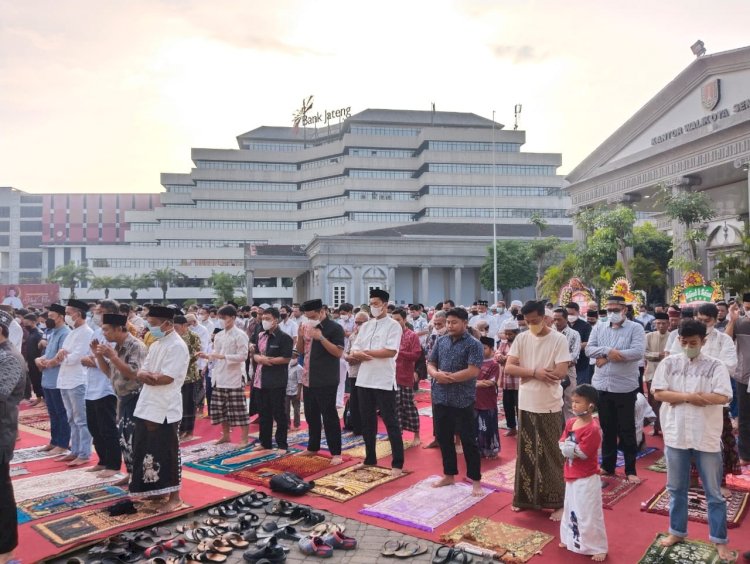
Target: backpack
x,y
291,484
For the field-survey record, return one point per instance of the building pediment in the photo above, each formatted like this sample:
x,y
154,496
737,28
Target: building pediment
x,y
712,93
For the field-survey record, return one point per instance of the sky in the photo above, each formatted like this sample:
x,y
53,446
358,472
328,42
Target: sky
x,y
104,95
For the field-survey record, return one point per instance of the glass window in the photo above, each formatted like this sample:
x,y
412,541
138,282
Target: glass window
x,y
267,146
31,211
31,226
486,191
31,241
243,186
4,240
220,224
265,283
4,211
381,153
243,165
179,188
327,222
339,294
322,182
322,203
473,146
391,174
382,195
28,199
504,213
208,243
508,170
240,205
386,217
30,260
390,131
334,159
4,226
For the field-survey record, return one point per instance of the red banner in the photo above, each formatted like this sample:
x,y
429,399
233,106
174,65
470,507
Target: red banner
x,y
29,295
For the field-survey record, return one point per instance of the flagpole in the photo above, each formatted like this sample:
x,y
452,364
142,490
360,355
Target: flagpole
x,y
494,211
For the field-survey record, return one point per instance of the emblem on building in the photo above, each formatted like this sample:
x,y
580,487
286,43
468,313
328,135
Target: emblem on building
x,y
300,116
711,94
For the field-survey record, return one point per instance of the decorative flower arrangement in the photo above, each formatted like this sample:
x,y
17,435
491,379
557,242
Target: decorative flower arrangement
x,y
621,287
576,291
694,279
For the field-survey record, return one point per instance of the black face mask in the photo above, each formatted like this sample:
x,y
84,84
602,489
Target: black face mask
x,y
50,323
254,314
284,315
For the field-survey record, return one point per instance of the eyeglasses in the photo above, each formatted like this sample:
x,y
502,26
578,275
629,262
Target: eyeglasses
x,y
613,310
359,322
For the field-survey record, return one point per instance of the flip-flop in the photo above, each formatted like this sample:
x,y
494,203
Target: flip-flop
x,y
185,527
391,546
461,557
409,550
443,555
162,532
235,540
197,535
177,546
222,511
281,507
206,557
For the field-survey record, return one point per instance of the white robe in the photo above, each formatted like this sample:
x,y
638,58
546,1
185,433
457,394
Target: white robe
x,y
582,526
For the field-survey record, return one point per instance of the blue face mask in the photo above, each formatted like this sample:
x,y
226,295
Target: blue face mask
x,y
156,331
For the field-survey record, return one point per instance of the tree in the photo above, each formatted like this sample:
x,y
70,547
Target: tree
x,y
515,268
224,285
70,276
537,220
650,277
617,226
107,283
558,275
649,242
164,278
137,282
689,209
540,251
733,267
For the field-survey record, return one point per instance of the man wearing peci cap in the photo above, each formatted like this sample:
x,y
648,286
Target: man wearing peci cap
x,y
375,349
322,341
656,343
156,447
72,381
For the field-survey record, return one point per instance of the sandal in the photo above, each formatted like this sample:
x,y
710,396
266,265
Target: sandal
x,y
161,532
185,527
215,545
409,550
215,522
444,558
206,557
197,535
391,546
235,540
140,540
152,551
222,511
314,546
177,546
281,507
259,499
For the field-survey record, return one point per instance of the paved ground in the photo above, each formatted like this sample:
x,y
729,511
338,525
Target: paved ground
x,y
370,538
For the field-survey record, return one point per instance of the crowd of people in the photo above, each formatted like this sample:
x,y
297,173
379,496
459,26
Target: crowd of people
x,y
131,382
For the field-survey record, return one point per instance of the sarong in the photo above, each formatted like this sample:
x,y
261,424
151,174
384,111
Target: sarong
x,y
157,468
126,427
539,468
488,436
408,415
582,525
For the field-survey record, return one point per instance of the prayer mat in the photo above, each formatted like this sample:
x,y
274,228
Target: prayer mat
x,y
36,420
698,508
513,544
423,507
740,481
659,466
207,449
615,488
641,454
87,523
303,466
348,439
351,482
382,448
501,478
18,471
687,552
51,504
425,411
56,482
232,461
29,454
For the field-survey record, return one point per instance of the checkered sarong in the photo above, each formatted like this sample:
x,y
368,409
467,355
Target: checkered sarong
x,y
228,406
408,415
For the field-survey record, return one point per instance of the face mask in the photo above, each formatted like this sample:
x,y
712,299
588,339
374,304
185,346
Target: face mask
x,y
203,317
344,317
311,322
514,311
501,310
284,315
582,413
615,318
253,314
572,319
69,320
98,318
691,352
376,311
50,323
156,331
536,329
267,325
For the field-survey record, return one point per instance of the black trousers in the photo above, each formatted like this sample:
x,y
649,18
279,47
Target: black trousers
x,y
510,406
271,404
101,418
320,405
33,382
355,422
370,401
617,419
743,421
187,425
8,517
452,420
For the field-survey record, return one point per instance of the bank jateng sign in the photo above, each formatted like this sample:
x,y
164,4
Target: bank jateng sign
x,y
304,117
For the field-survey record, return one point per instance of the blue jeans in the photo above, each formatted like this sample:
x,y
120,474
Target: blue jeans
x,y
58,419
710,468
75,406
734,407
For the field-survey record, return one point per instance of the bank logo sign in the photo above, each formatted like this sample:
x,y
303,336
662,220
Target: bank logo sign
x,y
711,94
304,116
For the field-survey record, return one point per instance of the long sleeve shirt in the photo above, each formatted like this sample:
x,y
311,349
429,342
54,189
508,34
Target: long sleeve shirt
x,y
228,372
630,340
408,354
77,344
55,339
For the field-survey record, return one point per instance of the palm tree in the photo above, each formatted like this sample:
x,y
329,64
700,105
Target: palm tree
x,y
164,278
137,282
70,276
106,283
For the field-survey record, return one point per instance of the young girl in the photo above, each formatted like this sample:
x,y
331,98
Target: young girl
x,y
485,406
582,526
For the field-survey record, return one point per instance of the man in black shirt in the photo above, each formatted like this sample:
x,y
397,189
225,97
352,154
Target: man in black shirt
x,y
583,368
322,341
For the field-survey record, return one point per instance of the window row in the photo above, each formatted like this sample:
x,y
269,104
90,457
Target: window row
x,y
506,213
381,217
276,147
327,222
179,188
486,191
320,162
323,203
390,174
243,165
513,170
375,195
161,263
382,153
473,146
241,186
241,205
322,182
389,131
207,243
226,224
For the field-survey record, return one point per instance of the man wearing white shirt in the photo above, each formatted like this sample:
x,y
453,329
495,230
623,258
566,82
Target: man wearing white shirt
x,y
12,300
156,447
228,407
73,379
484,315
375,348
419,324
15,332
287,324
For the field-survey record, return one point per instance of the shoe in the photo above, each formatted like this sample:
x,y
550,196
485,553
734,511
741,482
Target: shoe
x,y
314,546
510,433
340,541
270,553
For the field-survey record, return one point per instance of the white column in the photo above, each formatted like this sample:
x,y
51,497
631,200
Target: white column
x,y
457,283
249,283
425,293
357,286
392,282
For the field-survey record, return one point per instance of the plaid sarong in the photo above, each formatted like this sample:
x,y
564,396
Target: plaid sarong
x,y
408,415
228,406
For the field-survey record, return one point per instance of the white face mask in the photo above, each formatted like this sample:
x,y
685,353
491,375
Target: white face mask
x,y
572,319
344,317
267,325
501,310
69,320
311,322
98,318
376,311
615,318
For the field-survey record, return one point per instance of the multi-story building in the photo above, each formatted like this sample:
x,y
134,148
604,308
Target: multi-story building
x,y
434,180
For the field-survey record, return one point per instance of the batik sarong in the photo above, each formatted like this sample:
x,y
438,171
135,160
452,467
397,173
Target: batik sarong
x,y
488,436
156,458
539,469
126,427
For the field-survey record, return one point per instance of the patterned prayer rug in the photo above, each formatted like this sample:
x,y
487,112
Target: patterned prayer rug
x,y
51,504
87,523
303,466
29,454
18,471
351,482
191,453
741,481
501,478
698,508
423,507
659,466
56,482
36,420
382,448
690,551
614,488
513,544
348,439
641,454
232,461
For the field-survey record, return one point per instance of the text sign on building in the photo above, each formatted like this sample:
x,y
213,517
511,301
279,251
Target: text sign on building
x,y
699,294
304,117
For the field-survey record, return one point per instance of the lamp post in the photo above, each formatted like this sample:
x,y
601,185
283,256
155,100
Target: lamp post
x,y
494,212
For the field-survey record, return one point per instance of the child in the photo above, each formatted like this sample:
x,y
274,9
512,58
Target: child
x,y
508,383
582,526
485,406
293,394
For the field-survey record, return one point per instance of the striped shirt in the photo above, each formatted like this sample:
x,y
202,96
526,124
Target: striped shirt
x,y
630,340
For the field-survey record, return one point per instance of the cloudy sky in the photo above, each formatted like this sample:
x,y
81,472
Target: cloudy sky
x,y
103,95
